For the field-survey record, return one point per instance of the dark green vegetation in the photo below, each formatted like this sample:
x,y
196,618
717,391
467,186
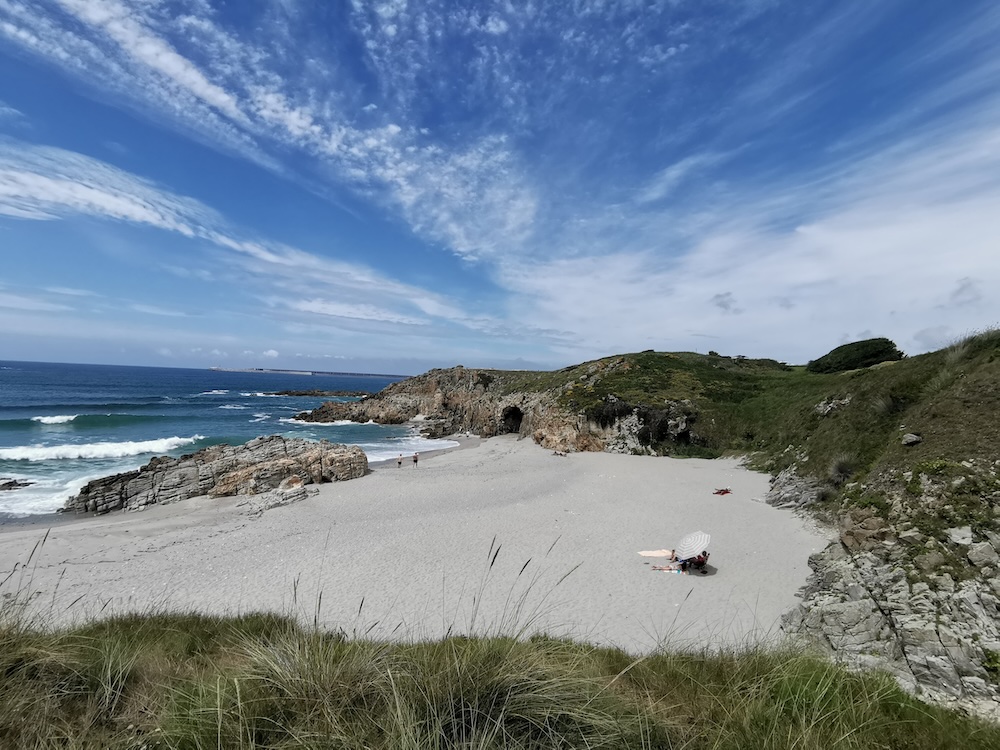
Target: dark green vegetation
x,y
856,355
836,426
261,681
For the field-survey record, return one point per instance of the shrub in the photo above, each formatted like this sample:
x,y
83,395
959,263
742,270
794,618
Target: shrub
x,y
856,355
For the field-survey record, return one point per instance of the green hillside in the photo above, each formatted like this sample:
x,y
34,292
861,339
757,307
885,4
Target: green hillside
x,y
761,407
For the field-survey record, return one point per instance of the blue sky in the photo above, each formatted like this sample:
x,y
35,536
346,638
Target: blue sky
x,y
393,186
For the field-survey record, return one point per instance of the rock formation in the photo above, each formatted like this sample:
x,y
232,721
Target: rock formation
x,y
904,590
259,466
488,403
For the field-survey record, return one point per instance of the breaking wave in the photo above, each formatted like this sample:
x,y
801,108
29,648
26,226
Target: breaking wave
x,y
95,450
57,419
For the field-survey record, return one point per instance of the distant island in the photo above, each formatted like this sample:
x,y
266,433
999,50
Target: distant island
x,y
305,372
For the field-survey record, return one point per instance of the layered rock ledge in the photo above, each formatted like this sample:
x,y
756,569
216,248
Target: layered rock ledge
x,y
491,402
259,466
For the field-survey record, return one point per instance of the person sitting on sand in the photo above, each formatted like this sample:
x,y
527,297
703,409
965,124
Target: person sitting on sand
x,y
697,562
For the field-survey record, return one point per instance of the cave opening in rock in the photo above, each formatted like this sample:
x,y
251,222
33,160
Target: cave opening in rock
x,y
512,417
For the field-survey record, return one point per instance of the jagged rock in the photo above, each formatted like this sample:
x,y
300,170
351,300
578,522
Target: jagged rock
x,y
993,539
863,530
260,465
929,561
982,554
255,505
911,536
961,535
461,399
789,490
831,404
932,635
911,438
12,484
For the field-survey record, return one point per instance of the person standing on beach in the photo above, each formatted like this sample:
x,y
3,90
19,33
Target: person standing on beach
x,y
399,461
415,457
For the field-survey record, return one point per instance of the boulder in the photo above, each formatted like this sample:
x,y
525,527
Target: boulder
x,y
12,484
982,555
789,490
261,465
911,438
960,535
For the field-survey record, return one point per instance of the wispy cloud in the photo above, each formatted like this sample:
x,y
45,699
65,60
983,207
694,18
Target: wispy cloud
x,y
8,113
154,310
29,304
43,183
68,291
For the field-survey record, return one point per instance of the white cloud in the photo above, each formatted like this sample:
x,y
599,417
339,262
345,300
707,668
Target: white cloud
x,y
270,354
8,113
154,310
71,292
357,311
29,304
44,183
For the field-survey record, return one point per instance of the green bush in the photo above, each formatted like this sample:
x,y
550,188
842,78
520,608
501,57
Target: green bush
x,y
856,355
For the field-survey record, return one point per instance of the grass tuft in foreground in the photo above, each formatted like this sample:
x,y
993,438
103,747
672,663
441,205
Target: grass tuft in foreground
x,y
261,681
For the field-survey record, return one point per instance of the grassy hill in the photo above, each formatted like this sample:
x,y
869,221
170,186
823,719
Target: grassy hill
x,y
190,682
761,407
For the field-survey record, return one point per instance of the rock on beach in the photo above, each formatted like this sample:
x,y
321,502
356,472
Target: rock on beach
x,y
258,466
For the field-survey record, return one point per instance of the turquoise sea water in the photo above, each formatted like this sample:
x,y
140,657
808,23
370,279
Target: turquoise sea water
x,y
64,424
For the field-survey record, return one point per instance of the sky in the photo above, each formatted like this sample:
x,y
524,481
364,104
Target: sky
x,y
397,185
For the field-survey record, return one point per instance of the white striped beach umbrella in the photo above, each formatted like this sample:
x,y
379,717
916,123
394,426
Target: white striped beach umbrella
x,y
692,545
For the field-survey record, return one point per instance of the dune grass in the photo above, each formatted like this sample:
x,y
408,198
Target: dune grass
x,y
190,681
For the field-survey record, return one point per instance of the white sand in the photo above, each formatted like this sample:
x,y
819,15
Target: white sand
x,y
413,544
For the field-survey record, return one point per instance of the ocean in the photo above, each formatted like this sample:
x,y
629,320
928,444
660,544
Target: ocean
x,y
62,425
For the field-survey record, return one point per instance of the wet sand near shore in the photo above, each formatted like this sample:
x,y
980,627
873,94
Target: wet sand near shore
x,y
499,535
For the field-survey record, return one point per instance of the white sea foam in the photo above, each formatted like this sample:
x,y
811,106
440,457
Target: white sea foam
x,y
58,419
233,406
407,447
260,417
94,450
335,423
44,495
215,392
258,394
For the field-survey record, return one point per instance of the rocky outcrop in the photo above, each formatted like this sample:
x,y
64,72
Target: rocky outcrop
x,y
259,466
12,484
489,403
938,636
790,490
460,399
912,587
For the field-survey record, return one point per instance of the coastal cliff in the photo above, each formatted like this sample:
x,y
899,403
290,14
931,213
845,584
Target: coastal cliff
x,y
261,465
495,402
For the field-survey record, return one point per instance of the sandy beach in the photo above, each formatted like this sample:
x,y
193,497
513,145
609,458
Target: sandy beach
x,y
411,552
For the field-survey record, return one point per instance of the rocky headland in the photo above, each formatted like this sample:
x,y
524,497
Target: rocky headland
x,y
494,402
270,464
